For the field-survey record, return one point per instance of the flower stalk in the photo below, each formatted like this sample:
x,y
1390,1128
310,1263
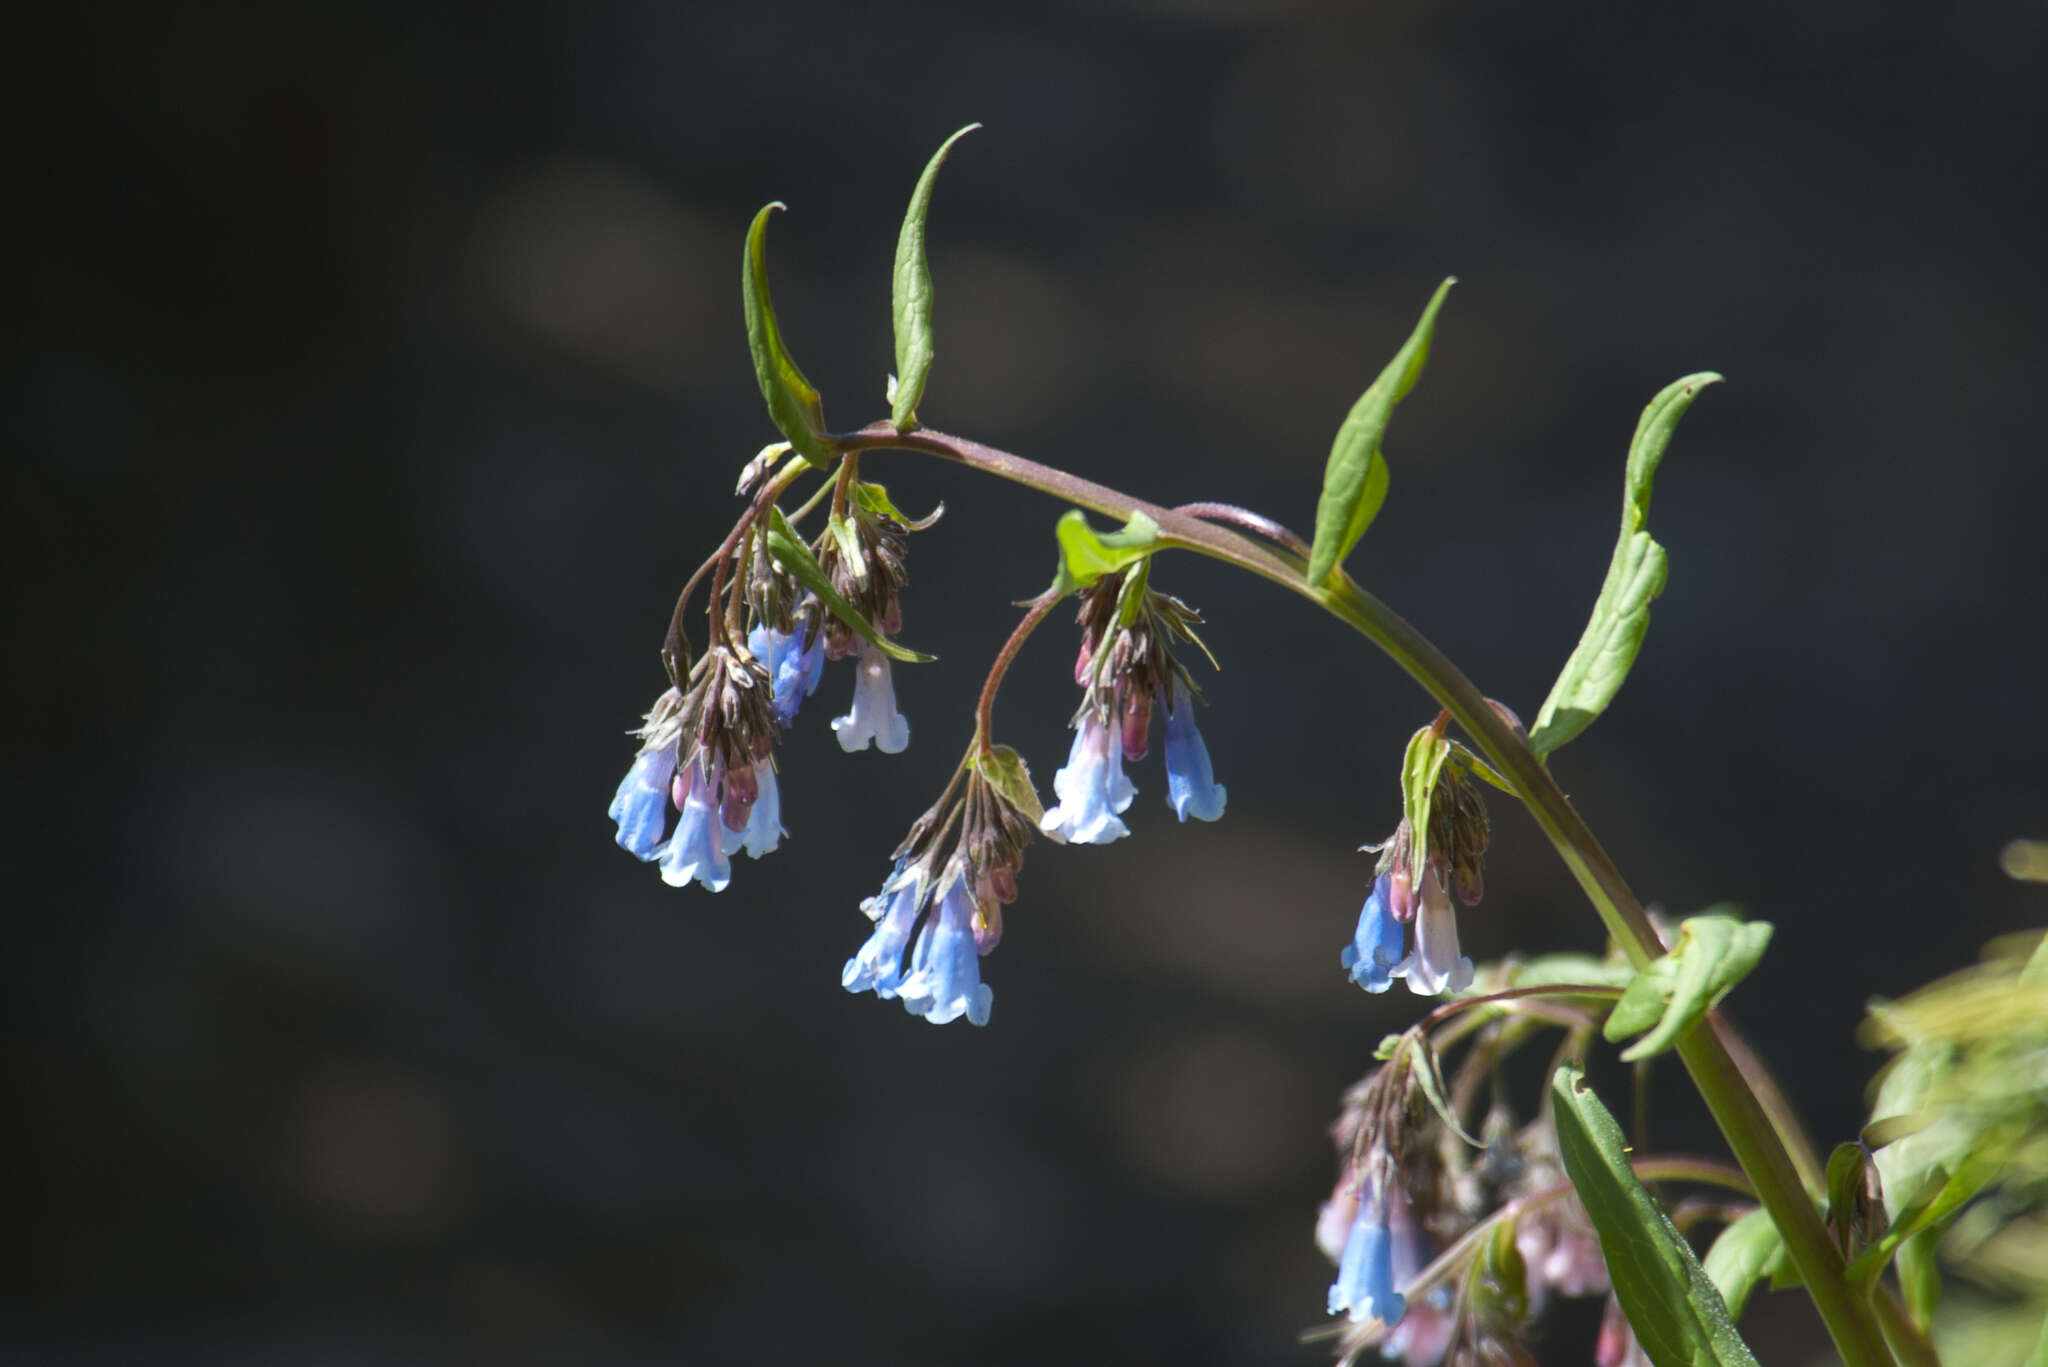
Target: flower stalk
x,y
1752,1133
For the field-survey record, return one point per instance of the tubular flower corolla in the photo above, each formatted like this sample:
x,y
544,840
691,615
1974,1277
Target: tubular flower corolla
x,y
1091,788
696,852
1364,1289
1191,786
794,668
641,805
945,966
1376,954
874,716
1437,966
877,966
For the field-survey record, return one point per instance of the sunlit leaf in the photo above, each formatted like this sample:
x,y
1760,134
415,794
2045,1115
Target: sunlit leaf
x,y
911,297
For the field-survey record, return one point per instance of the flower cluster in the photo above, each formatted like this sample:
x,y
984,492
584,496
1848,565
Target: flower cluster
x,y
941,907
1458,834
1409,1186
703,784
1127,670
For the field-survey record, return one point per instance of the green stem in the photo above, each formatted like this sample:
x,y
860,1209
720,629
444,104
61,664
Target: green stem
x,y
1748,1129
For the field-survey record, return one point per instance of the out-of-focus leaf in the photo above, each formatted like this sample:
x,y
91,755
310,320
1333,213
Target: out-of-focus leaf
x,y
793,555
1007,773
1635,575
1920,1277
1714,952
1545,969
911,297
1941,1195
1355,478
1424,760
1428,1074
792,401
1086,554
1679,1317
1742,1256
1845,1182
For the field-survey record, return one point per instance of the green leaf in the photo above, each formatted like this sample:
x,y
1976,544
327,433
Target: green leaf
x,y
1572,970
840,529
1355,479
911,299
1679,1317
792,402
1086,554
875,499
1920,1277
1715,951
794,556
1742,1256
1007,773
1599,664
1429,1075
1424,760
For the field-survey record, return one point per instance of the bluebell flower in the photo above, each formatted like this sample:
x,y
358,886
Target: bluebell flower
x,y
877,966
1424,1333
794,670
762,831
1377,952
945,966
1191,786
1364,1288
1091,787
1437,967
641,805
696,852
874,715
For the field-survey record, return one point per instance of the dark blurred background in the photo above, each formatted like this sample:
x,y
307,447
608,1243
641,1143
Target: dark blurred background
x,y
376,373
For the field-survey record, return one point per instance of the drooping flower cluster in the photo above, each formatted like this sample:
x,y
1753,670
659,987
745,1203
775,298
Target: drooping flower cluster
x,y
703,785
1127,670
1409,1187
941,907
1459,831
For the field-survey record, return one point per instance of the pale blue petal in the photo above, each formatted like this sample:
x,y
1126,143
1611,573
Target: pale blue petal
x,y
1191,786
640,807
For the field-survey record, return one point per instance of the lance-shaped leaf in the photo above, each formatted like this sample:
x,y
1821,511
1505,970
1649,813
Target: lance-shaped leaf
x,y
792,402
1742,1256
875,499
1007,773
911,298
1355,479
1714,952
794,556
1601,660
1679,1317
1424,760
1086,554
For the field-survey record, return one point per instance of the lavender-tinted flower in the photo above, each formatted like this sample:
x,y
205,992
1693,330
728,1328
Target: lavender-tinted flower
x,y
1191,786
943,902
1437,966
874,716
1364,1289
1424,1332
763,829
877,966
696,852
945,965
1127,671
641,805
1377,952
794,666
1091,788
